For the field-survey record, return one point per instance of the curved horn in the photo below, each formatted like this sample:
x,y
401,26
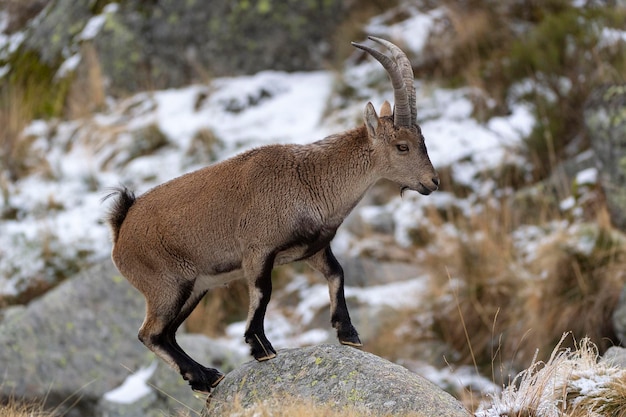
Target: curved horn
x,y
405,69
402,113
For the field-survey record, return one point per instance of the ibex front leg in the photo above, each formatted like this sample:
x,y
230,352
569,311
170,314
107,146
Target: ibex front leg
x,y
325,262
258,271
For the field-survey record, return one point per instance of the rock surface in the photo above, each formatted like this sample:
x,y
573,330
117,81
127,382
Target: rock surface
x,y
337,375
73,342
79,341
169,43
605,121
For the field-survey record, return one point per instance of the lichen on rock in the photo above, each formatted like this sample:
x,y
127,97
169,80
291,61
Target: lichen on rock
x,y
336,375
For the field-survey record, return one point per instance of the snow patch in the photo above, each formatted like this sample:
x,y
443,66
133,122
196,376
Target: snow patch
x,y
134,387
69,65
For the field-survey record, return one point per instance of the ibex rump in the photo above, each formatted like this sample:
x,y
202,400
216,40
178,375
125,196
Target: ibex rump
x,y
269,206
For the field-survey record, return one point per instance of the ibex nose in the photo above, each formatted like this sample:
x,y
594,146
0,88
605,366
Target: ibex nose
x,y
436,181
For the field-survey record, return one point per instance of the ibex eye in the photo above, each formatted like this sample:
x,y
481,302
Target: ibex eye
x,y
402,147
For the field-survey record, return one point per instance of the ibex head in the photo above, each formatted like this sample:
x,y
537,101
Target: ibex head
x,y
396,135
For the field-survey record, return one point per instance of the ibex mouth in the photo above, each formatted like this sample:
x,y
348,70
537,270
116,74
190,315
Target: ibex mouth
x,y
421,188
424,190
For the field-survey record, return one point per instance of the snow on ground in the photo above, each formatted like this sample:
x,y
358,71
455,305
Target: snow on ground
x,y
134,387
63,208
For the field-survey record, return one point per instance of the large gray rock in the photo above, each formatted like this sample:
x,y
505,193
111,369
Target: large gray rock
x,y
605,121
337,375
73,342
150,44
79,341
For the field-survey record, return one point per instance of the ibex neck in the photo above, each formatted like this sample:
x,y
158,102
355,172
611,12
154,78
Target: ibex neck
x,y
341,166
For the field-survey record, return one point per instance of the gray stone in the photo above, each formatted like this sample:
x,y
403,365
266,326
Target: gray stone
x,y
145,45
73,342
615,356
335,375
605,121
363,272
79,341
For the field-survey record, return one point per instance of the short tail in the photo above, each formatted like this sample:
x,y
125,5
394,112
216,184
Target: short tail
x,y
124,199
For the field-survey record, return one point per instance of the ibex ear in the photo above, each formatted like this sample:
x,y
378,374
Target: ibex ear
x,y
385,109
371,120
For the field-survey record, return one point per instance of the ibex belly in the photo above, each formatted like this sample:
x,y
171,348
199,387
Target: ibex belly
x,y
207,281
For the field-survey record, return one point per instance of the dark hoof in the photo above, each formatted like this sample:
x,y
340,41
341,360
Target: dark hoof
x,y
356,343
263,353
210,379
217,381
266,357
349,337
260,348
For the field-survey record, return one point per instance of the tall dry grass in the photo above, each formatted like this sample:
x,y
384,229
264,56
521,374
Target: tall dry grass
x,y
296,407
13,408
571,383
15,114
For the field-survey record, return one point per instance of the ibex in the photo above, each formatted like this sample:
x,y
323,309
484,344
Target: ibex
x,y
265,207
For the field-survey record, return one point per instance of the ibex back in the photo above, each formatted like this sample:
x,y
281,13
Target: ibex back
x,y
265,207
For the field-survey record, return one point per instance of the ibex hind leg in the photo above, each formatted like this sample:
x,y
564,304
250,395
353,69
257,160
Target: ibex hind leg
x,y
212,376
158,333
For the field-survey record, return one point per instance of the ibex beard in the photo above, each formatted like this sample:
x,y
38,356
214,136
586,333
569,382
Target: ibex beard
x,y
265,207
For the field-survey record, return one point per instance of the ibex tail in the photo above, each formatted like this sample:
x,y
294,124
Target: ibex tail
x,y
124,199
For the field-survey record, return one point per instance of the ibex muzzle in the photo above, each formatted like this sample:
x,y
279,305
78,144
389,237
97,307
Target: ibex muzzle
x,y
269,206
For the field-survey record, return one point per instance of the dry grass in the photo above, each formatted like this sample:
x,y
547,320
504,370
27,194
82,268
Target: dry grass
x,y
295,407
572,383
498,305
86,94
14,408
14,147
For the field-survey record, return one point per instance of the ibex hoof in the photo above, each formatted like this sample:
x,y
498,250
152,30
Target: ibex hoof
x,y
349,337
204,386
217,381
356,343
266,357
260,348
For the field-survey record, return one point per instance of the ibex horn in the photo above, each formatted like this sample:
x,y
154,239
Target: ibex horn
x,y
401,77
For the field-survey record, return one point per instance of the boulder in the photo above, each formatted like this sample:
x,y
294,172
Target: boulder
x,y
79,341
148,44
340,376
615,355
605,122
74,342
